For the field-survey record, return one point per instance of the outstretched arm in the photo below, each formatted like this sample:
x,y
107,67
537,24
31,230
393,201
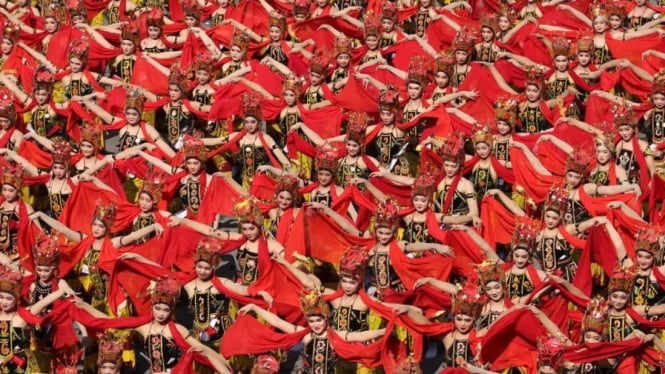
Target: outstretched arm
x,y
341,221
270,318
532,158
56,225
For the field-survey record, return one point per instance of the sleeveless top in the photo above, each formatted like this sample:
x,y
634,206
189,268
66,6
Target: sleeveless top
x,y
47,123
248,262
421,21
458,76
486,53
190,195
482,180
275,52
15,343
555,253
252,156
163,352
459,348
312,97
177,121
458,206
123,68
599,177
416,232
347,171
653,126
98,280
518,285
9,223
57,201
646,291
206,305
383,274
141,222
337,76
533,120
501,150
319,357
619,327
345,318
77,87
128,140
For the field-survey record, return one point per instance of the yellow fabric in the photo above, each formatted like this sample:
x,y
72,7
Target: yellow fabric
x,y
98,20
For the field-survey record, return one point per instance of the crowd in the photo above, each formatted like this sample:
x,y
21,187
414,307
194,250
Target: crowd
x,y
270,186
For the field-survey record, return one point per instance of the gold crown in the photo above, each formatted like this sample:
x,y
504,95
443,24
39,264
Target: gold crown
x,y
111,344
7,109
130,31
534,76
13,176
10,281
621,280
372,24
597,9
240,40
153,183
560,47
251,106
490,271
78,48
353,263
47,251
292,83
580,161
191,8
327,159
482,134
445,63
658,85
468,301
194,148
77,8
265,364
508,12
343,45
277,20
290,184
419,68
389,99
452,148
92,132
585,43
105,212
491,21
525,233
302,7
247,210
557,199
506,109
179,77
43,79
68,360
208,250
53,10
423,185
407,366
617,8
134,99
165,291
624,115
389,11
320,63
155,17
204,61
550,353
464,41
357,125
647,240
607,137
62,153
387,214
595,317
313,304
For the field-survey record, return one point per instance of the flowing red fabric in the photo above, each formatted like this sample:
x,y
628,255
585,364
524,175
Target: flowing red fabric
x,y
501,171
354,97
599,249
410,269
146,75
498,222
219,198
536,185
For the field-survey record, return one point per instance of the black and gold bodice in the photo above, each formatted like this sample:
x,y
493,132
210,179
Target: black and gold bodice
x,y
647,291
501,150
459,75
14,344
142,221
123,68
312,96
486,53
601,55
206,305
575,212
39,292
555,253
155,49
386,40
383,275
319,357
217,19
57,201
178,120
349,170
9,223
248,262
486,320
97,280
230,68
202,96
421,20
483,180
190,195
533,120
337,76
530,13
458,206
653,126
634,22
414,133
78,87
112,14
163,352
558,86
46,123
130,138
387,146
286,120
345,318
324,198
253,156
369,57
599,177
626,159
343,4
416,232
518,284
619,327
276,52
460,349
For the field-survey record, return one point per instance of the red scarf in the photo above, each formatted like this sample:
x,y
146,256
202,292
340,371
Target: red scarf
x,y
450,193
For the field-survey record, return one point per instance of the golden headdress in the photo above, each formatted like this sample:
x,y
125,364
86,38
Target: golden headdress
x,y
134,99
357,124
658,86
389,99
423,185
468,301
506,110
204,61
43,79
247,210
534,76
387,214
595,317
507,11
251,106
320,63
78,48
111,344
327,159
389,11
92,132
105,212
490,271
452,148
580,161
550,353
557,199
617,8
165,291
464,41
313,304
647,239
240,40
290,184
302,7
130,31
445,63
208,250
277,20
560,47
77,8
608,136
153,184
624,115
194,148
7,109
13,176
292,83
419,69
343,45
482,134
53,10
47,251
180,77
372,24
407,366
353,263
621,280
62,153
597,9
525,233
155,17
10,281
491,21
585,43
191,8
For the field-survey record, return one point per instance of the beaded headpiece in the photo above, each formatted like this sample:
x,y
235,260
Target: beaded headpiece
x,y
134,99
302,7
482,134
153,183
468,301
580,161
194,148
13,176
557,199
10,281
326,159
43,79
204,61
265,364
507,11
658,85
47,251
155,17
452,148
7,109
617,8
597,9
292,83
247,210
105,212
357,124
52,10
313,304
389,99
67,362
343,45
78,48
62,153
165,291
251,106
130,31
621,280
585,43
191,8
11,32
647,240
319,64
387,214
491,21
353,263
490,271
525,233
445,63
419,68
506,110
240,40
372,24
408,366
77,8
111,344
550,352
423,185
624,115
208,250
595,316
92,132
560,47
464,41
389,11
534,76
277,20
290,184
179,77
606,139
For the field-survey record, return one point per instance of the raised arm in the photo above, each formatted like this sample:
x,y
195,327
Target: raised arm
x,y
56,225
255,37
341,221
11,85
311,134
532,158
44,142
576,13
107,117
121,241
567,148
270,318
25,164
509,203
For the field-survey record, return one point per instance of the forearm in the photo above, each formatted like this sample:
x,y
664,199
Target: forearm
x,y
61,228
157,162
